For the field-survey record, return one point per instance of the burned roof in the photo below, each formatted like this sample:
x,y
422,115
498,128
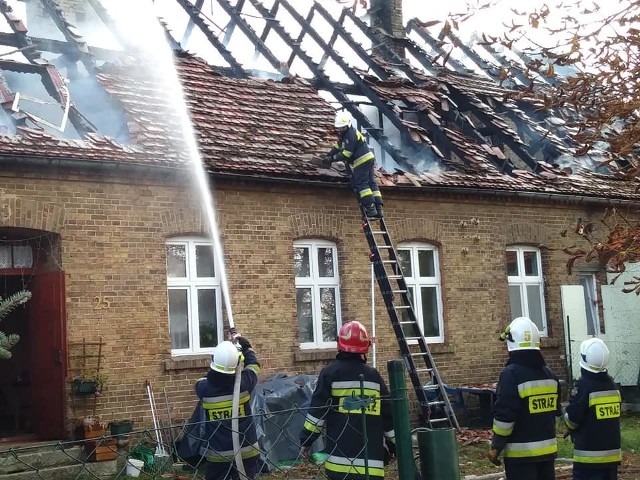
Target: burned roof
x,y
431,126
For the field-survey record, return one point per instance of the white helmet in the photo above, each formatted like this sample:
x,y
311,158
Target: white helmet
x,y
521,334
225,358
343,119
594,355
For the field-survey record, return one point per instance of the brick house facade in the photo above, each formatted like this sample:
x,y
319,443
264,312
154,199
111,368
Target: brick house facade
x,y
101,214
113,249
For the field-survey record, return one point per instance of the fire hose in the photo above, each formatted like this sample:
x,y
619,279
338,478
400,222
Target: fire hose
x,y
235,407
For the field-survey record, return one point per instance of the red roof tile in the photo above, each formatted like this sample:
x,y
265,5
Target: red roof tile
x,y
271,129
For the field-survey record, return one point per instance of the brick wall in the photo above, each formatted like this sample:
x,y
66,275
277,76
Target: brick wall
x,y
112,248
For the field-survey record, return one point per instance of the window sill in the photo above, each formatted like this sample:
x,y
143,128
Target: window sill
x,y
314,355
187,362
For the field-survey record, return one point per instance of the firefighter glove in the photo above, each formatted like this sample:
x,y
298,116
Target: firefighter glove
x,y
326,162
244,343
492,455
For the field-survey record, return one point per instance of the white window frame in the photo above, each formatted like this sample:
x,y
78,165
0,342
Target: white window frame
x,y
416,282
192,284
522,281
315,282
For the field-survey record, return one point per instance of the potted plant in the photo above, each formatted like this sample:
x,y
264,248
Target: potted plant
x,y
89,383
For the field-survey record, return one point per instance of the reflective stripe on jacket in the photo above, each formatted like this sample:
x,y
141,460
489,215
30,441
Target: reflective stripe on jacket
x,y
216,393
593,417
527,402
335,410
352,147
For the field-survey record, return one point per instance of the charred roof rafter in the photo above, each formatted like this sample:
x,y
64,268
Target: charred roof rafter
x,y
54,46
53,83
324,82
436,130
527,130
74,39
231,26
190,24
365,90
298,41
173,43
338,28
103,14
194,15
236,17
267,28
421,56
417,78
466,104
458,66
23,42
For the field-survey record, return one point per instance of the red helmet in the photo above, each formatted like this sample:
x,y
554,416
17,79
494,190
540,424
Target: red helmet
x,y
353,338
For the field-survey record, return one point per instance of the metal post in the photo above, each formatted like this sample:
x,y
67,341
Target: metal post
x,y
569,354
400,409
373,316
364,428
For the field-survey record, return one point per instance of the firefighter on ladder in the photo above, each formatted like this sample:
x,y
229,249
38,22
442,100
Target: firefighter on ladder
x,y
351,147
337,383
527,404
593,416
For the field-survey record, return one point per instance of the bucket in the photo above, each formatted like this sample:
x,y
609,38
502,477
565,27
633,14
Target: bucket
x,y
134,467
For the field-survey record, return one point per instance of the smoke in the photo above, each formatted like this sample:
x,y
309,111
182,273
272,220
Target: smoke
x,y
99,108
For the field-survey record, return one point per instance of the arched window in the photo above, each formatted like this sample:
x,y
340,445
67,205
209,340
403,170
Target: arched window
x,y
421,270
195,305
317,292
526,284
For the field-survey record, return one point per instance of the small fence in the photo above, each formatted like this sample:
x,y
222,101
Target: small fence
x,y
105,456
180,451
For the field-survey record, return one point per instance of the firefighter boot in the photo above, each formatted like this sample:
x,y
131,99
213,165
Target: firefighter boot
x,y
371,212
379,209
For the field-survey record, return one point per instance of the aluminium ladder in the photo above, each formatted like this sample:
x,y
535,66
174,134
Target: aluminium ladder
x,y
430,390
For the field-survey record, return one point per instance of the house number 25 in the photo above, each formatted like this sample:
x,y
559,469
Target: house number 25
x,y
101,303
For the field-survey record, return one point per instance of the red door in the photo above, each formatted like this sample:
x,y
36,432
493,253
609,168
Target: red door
x,y
47,331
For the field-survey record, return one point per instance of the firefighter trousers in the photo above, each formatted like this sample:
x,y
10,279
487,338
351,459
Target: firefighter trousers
x,y
227,470
530,470
364,183
597,473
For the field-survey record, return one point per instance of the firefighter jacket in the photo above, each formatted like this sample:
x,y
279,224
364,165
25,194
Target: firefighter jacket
x,y
216,393
527,402
331,410
351,147
593,418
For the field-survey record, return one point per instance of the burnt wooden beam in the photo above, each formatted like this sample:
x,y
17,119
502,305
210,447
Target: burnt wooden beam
x,y
70,33
381,105
20,38
457,66
190,24
338,28
194,14
111,24
323,82
248,30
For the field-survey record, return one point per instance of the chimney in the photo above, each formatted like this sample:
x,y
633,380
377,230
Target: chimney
x,y
386,21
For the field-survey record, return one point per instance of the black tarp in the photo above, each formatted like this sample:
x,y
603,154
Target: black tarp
x,y
279,406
